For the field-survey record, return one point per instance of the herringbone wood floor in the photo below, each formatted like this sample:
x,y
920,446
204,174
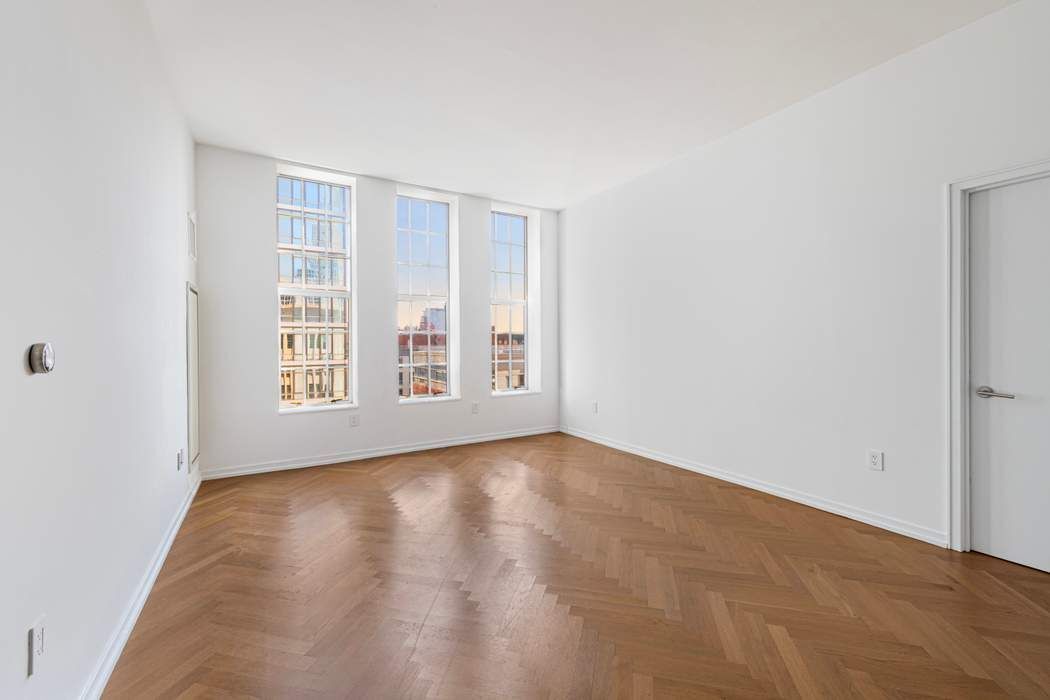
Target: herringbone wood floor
x,y
552,567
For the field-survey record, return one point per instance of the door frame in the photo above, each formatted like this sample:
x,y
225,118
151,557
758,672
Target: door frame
x,y
959,261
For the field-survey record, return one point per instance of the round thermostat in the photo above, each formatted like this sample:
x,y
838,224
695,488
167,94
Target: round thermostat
x,y
42,358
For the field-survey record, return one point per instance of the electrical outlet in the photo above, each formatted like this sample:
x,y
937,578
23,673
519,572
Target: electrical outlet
x,y
36,646
180,459
355,420
594,407
475,407
876,460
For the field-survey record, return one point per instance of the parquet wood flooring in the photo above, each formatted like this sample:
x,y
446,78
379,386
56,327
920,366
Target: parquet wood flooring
x,y
551,567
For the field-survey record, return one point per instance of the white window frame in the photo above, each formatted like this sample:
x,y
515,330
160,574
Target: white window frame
x,y
334,178
452,328
533,300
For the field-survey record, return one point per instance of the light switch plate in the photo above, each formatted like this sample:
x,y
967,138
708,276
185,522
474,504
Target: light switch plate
x,y
876,460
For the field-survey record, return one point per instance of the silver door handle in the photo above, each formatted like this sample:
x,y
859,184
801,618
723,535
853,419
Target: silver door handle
x,y
987,392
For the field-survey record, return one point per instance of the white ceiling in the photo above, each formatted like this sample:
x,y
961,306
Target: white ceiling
x,y
540,102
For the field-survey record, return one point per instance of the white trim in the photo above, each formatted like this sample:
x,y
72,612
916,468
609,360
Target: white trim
x,y
514,392
317,174
957,413
111,654
412,400
885,522
318,408
283,464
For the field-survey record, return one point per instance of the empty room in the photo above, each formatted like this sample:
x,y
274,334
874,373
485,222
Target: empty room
x,y
485,349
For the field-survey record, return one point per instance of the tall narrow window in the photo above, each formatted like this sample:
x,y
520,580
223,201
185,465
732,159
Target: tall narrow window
x,y
509,301
314,289
422,298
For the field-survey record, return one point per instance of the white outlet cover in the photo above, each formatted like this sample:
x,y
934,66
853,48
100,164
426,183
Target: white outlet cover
x,y
355,420
876,460
475,407
36,645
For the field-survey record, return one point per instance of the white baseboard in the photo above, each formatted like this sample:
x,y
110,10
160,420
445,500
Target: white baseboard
x,y
119,638
282,464
901,527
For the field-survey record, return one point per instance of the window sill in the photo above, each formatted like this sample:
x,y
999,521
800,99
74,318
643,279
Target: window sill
x,y
317,409
519,392
429,399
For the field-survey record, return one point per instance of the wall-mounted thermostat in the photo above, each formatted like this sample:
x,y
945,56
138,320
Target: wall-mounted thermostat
x,y
42,358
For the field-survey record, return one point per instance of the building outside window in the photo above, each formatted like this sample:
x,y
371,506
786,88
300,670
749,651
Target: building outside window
x,y
314,225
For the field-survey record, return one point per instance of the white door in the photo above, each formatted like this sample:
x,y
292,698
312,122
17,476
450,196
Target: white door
x,y
1010,356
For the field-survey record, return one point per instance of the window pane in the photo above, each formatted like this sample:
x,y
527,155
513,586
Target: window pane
x,y
402,212
420,345
337,270
419,215
419,315
517,259
339,311
420,381
517,375
313,270
340,346
403,345
404,316
419,249
284,229
438,348
517,229
291,345
284,190
404,382
501,257
423,285
509,283
517,319
340,383
438,380
439,250
284,268
404,239
403,277
312,198
438,281
287,308
339,203
435,317
501,285
420,277
338,235
439,217
501,228
313,310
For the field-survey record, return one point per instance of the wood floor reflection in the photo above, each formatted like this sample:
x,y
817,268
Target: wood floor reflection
x,y
552,567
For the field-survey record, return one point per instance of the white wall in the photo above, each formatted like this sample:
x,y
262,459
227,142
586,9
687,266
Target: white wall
x,y
241,428
775,304
96,179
